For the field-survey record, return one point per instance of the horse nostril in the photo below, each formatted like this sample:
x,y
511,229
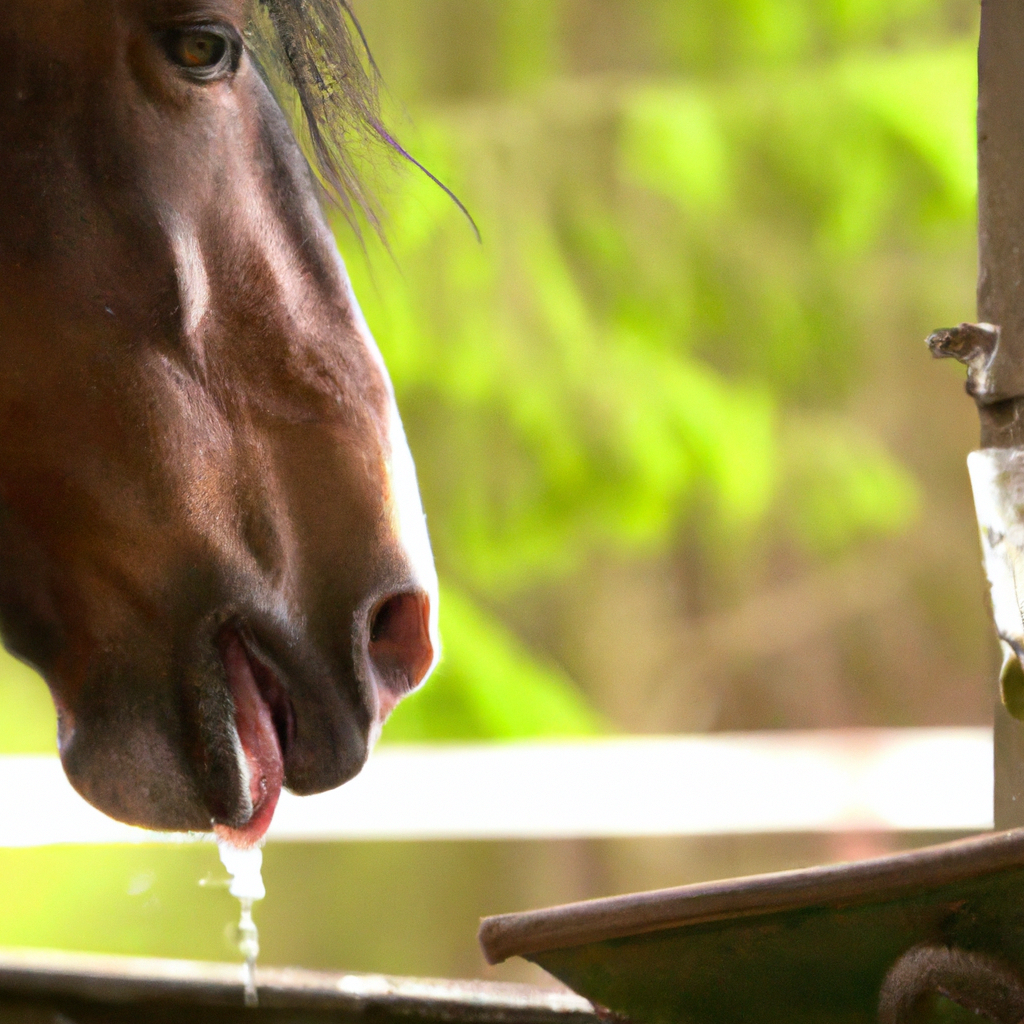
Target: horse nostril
x,y
400,646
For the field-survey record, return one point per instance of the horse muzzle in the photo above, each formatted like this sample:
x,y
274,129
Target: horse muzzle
x,y
250,708
395,653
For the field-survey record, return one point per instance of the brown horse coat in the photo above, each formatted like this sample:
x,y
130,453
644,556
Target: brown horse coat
x,y
211,540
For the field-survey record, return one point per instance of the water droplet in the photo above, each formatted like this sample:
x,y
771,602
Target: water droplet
x,y
245,868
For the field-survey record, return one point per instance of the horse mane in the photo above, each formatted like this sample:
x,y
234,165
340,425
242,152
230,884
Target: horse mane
x,y
318,64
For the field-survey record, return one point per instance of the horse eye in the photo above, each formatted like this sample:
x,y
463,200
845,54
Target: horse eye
x,y
204,53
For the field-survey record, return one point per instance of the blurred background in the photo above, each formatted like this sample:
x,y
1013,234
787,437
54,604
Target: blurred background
x,y
686,463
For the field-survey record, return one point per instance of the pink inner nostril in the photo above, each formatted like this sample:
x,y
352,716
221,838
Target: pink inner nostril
x,y
400,646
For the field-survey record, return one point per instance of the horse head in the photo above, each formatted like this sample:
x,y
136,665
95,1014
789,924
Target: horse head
x,y
212,545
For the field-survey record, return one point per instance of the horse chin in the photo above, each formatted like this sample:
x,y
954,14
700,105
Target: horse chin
x,y
205,737
139,778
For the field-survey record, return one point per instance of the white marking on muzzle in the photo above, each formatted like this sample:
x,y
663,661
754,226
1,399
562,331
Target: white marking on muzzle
x,y
408,520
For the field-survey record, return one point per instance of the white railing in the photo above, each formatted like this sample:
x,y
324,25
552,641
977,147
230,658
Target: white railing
x,y
815,781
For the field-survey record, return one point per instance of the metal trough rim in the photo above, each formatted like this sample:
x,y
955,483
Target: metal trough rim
x,y
868,881
108,978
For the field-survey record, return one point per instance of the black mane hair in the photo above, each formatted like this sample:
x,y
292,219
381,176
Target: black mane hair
x,y
318,64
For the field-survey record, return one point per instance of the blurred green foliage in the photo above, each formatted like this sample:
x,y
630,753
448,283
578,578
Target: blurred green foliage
x,y
490,687
667,312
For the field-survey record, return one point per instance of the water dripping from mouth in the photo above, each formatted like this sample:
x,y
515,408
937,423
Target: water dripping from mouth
x,y
244,866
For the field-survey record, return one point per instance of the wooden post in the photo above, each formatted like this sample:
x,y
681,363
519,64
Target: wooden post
x,y
1009,770
1001,217
1001,300
994,353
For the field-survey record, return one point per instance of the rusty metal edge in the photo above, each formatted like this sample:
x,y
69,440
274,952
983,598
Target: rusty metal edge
x,y
120,979
869,881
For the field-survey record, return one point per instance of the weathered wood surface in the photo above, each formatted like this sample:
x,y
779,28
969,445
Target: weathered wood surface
x,y
1001,219
38,986
800,946
1001,299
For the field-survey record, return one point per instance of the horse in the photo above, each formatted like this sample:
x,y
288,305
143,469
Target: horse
x,y
212,545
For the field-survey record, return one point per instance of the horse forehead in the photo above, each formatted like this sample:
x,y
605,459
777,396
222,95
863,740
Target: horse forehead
x,y
74,24
151,11
199,10
263,272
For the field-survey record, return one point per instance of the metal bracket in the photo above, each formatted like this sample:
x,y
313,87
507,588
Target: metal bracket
x,y
974,345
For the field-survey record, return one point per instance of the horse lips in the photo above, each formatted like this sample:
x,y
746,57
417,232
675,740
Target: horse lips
x,y
261,753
